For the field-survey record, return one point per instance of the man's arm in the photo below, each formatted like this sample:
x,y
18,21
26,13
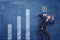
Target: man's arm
x,y
42,16
53,21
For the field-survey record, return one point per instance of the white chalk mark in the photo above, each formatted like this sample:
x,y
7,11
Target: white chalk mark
x,y
27,24
9,31
18,27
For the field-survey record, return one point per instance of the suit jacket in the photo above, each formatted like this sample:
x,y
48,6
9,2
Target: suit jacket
x,y
44,23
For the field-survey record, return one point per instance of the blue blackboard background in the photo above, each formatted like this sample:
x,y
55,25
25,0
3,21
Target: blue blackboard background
x,y
14,8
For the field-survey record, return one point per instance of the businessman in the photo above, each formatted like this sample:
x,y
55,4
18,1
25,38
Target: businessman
x,y
45,20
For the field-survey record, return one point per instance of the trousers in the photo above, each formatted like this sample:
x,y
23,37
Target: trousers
x,y
42,33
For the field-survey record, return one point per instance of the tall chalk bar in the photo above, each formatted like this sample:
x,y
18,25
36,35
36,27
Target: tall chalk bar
x,y
27,24
18,27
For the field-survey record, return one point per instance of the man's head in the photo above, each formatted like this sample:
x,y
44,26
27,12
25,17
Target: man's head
x,y
48,17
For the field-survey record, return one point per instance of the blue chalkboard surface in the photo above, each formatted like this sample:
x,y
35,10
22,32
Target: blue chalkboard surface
x,y
19,19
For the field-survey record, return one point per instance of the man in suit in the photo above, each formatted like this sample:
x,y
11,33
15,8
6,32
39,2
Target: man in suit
x,y
45,20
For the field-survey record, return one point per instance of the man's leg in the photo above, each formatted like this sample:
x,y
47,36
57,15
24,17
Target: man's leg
x,y
47,35
41,35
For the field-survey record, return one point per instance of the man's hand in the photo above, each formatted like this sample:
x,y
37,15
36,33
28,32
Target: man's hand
x,y
42,28
47,20
52,17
